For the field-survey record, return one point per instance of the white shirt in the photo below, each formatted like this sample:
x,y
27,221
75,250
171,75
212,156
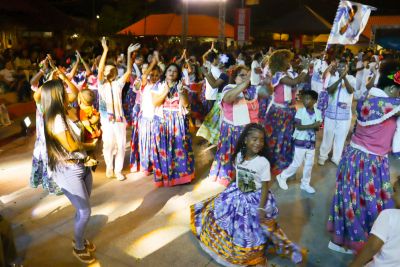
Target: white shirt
x,y
250,173
147,106
211,93
59,126
341,92
306,119
105,91
387,228
255,77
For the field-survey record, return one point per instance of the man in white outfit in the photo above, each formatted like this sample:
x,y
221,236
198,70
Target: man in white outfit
x,y
113,123
338,114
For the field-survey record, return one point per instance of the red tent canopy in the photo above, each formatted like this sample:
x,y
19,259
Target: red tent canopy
x,y
171,25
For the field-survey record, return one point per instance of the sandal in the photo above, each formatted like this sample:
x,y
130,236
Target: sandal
x,y
83,255
88,245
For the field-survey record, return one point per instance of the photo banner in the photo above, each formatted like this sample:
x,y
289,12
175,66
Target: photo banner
x,y
350,21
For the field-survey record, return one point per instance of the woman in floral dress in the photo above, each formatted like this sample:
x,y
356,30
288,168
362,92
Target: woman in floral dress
x,y
279,119
173,156
239,107
363,187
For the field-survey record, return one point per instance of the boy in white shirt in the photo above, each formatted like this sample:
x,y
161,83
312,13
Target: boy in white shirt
x,y
307,121
382,247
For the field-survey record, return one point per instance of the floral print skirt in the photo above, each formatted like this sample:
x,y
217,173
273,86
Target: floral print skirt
x,y
279,128
173,156
196,105
210,129
362,191
134,158
145,145
229,230
222,166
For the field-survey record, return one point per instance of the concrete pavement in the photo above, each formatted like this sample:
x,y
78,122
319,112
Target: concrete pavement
x,y
135,224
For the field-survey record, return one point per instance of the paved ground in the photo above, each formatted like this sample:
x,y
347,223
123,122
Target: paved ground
x,y
135,224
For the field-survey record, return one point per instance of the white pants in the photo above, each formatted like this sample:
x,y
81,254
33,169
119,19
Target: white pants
x,y
114,139
335,133
300,155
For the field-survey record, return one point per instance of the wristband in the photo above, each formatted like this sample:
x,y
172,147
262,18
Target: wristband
x,y
261,209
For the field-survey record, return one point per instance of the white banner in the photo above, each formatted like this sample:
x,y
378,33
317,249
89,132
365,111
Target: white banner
x,y
349,23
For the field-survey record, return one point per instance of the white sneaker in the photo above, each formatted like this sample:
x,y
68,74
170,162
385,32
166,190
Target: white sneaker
x,y
120,176
337,248
109,173
308,188
321,162
281,182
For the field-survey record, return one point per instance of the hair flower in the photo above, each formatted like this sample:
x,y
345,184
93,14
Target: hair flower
x,y
395,77
223,58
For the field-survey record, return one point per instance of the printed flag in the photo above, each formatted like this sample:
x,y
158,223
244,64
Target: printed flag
x,y
349,23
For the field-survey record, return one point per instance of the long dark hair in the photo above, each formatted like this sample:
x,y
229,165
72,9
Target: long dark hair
x,y
386,69
53,99
163,76
241,145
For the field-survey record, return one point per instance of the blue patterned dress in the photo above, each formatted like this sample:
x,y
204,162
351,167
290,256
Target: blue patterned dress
x,y
363,187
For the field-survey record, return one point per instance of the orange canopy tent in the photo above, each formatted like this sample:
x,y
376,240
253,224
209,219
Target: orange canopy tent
x,y
171,25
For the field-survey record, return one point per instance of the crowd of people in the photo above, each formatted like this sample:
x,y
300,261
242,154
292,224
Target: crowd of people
x,y
246,104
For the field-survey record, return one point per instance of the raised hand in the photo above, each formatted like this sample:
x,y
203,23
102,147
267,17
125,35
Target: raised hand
x,y
179,86
156,56
78,55
104,43
133,47
51,62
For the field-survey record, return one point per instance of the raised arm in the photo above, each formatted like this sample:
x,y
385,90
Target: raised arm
x,y
43,67
132,48
102,64
154,62
215,83
292,82
74,91
204,56
158,99
232,94
85,65
183,56
183,96
74,68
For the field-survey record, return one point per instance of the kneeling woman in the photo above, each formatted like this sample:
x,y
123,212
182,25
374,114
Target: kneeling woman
x,y
237,226
67,157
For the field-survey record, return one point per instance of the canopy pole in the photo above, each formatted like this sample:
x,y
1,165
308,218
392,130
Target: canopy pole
x,y
184,23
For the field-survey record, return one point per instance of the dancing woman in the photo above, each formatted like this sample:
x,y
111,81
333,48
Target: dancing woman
x,y
363,187
173,154
279,120
67,157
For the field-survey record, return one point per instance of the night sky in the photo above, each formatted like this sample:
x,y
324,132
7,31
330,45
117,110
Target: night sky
x,y
268,9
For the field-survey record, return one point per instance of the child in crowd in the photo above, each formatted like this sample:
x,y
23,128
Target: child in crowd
x,y
382,247
237,226
307,121
88,115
